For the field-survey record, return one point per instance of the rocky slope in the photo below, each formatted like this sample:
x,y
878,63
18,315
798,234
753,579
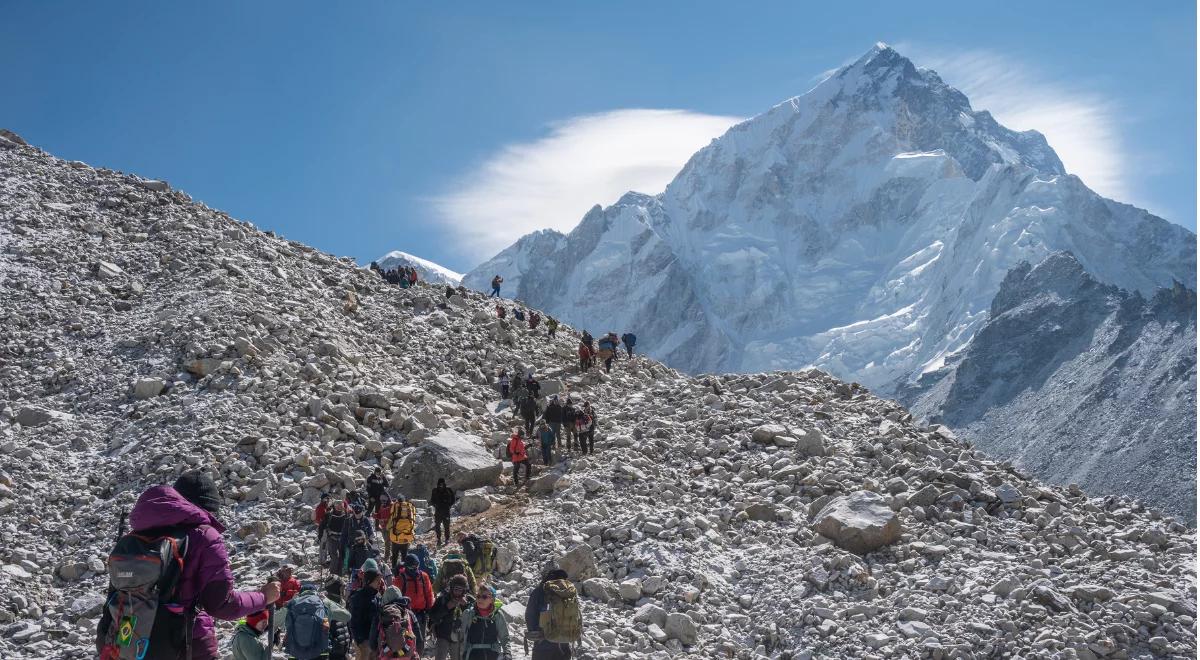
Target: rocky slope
x,y
863,227
144,334
1080,382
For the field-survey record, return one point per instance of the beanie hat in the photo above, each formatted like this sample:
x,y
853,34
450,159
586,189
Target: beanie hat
x,y
394,595
370,566
199,488
333,587
252,620
459,580
411,561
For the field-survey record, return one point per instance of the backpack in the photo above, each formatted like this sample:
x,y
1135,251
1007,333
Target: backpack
x,y
403,522
307,636
451,566
420,598
428,563
140,622
481,553
560,619
396,637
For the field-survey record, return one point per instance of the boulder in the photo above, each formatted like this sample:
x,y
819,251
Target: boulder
x,y
458,458
762,511
472,502
601,589
809,442
767,432
859,522
681,627
630,590
146,388
650,613
578,562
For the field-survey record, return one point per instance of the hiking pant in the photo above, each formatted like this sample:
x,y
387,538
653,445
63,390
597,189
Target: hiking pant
x,y
504,391
398,549
587,441
556,427
629,349
334,546
529,425
608,365
447,650
517,466
547,650
547,447
372,505
440,523
495,292
482,654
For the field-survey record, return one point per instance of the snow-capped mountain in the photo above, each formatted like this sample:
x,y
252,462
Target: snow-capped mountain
x,y
427,270
1079,382
863,227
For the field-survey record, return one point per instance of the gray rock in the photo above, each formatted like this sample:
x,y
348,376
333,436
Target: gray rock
x,y
859,522
578,562
474,501
681,627
146,388
458,458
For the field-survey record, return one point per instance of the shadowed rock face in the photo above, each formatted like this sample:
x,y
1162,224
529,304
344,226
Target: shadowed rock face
x,y
1080,382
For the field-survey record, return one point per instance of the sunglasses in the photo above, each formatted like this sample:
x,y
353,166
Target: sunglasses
x,y
484,596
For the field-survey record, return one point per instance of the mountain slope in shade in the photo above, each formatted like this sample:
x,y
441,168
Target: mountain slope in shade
x,y
1080,382
426,270
863,228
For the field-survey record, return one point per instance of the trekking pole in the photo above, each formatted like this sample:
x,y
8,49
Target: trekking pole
x,y
121,525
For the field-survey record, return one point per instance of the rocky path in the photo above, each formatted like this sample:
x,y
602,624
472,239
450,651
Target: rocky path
x,y
142,334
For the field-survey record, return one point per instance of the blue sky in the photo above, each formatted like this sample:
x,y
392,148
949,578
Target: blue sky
x,y
445,129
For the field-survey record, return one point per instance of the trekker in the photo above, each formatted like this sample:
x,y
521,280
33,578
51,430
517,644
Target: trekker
x,y
356,522
320,512
553,416
629,339
528,409
364,614
588,442
412,276
204,588
485,628
401,528
309,622
445,618
568,423
551,326
335,524
442,499
585,357
340,644
480,555
552,617
500,311
581,423
248,641
519,457
289,586
358,553
496,282
383,515
533,387
518,314
504,381
398,634
416,586
546,436
425,560
534,319
376,486
587,339
454,564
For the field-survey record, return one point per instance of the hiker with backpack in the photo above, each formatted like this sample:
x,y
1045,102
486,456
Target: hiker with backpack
x,y
503,380
485,628
248,639
335,523
582,419
519,314
381,518
176,522
454,564
519,456
480,554
308,621
445,618
533,387
587,339
629,339
529,410
500,311
364,613
358,553
442,500
553,621
496,282
340,644
553,415
587,442
399,634
357,524
551,327
401,528
534,319
568,423
585,357
376,486
425,560
416,586
289,586
546,437
320,512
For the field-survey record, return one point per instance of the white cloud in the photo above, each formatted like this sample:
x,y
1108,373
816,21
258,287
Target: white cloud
x,y
587,160
1081,126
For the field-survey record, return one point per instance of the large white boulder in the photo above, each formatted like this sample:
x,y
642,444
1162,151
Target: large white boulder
x,y
458,458
859,522
578,562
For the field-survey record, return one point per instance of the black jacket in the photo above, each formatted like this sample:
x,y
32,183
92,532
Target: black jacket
x,y
442,619
537,601
376,485
528,408
442,499
364,614
553,413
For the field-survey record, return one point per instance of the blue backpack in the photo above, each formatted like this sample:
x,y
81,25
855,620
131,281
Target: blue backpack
x,y
428,564
307,636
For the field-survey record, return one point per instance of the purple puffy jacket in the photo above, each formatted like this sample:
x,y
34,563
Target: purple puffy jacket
x,y
207,581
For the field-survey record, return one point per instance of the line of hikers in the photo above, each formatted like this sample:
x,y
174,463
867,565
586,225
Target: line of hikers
x,y
403,276
530,317
170,577
606,349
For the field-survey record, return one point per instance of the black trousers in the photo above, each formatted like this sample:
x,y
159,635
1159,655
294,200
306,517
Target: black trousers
x,y
546,650
399,552
442,523
587,441
516,467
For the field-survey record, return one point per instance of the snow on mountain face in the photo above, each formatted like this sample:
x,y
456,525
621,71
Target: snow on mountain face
x,y
863,227
1080,382
427,270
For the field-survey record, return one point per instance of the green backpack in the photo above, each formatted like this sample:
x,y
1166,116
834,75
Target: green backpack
x,y
560,620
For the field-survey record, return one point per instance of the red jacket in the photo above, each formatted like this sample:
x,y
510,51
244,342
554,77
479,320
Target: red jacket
x,y
320,512
382,514
418,589
516,449
287,591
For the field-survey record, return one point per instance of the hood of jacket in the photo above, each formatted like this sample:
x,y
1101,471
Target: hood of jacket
x,y
163,506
